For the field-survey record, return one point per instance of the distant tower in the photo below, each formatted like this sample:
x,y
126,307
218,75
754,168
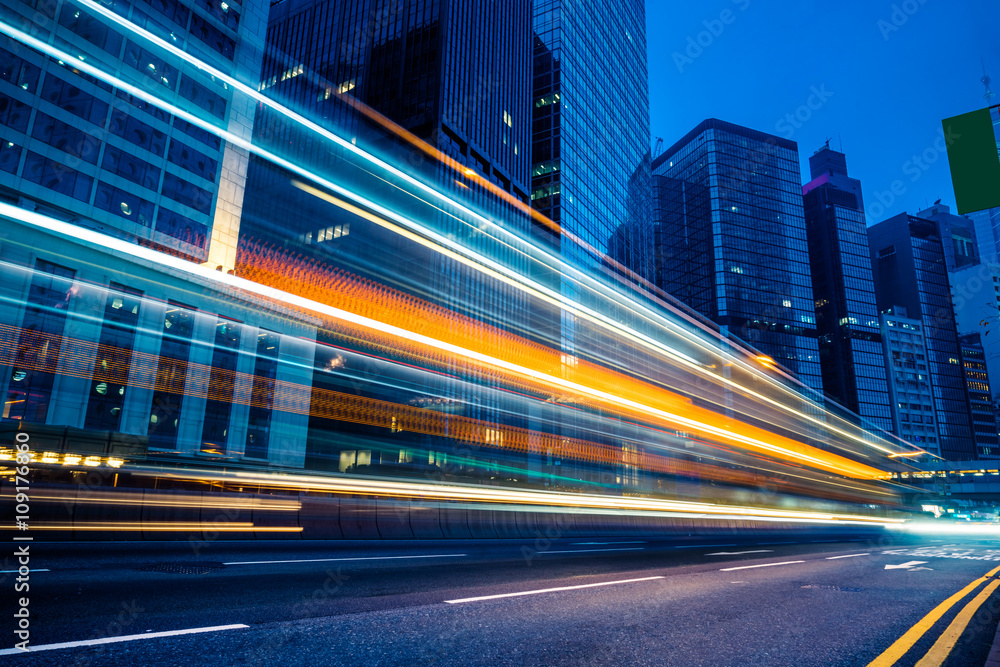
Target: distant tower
x,y
985,79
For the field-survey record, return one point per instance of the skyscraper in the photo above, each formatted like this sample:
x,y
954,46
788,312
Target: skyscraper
x,y
847,321
590,145
987,226
443,90
981,403
731,239
911,395
111,160
390,76
908,260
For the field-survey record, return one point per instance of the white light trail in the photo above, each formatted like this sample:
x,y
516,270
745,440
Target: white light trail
x,y
586,280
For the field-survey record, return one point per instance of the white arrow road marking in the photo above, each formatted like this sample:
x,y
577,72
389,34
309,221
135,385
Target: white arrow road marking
x,y
907,565
917,569
737,553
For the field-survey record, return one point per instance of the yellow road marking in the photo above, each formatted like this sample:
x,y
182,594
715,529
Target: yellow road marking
x,y
906,642
946,642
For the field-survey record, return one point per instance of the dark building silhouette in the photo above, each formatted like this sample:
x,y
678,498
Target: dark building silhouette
x,y
908,260
443,91
847,319
731,239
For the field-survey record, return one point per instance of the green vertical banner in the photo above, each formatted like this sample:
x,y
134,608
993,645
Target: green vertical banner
x,y
974,159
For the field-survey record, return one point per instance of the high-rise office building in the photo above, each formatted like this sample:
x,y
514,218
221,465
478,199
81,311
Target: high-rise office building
x,y
443,90
981,403
731,239
847,321
908,259
975,293
102,343
390,77
590,147
911,395
987,226
77,147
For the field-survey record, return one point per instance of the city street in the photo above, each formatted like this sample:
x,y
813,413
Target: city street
x,y
570,602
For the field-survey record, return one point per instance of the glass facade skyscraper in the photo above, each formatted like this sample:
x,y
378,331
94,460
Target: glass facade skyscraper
x,y
987,225
390,76
908,260
77,147
847,319
731,239
590,142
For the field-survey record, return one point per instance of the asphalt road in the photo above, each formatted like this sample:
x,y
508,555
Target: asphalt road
x,y
622,602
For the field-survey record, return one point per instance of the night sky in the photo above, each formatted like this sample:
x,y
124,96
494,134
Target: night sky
x,y
878,92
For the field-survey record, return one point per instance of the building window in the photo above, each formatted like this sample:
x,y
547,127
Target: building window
x,y
114,357
40,343
265,372
222,382
171,374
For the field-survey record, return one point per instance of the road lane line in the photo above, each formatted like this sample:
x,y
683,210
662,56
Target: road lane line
x,y
580,551
938,653
332,560
911,636
630,542
737,553
703,546
122,638
750,567
551,590
867,553
822,541
764,544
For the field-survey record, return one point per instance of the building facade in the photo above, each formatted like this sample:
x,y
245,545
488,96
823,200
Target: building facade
x,y
981,402
987,225
731,239
959,238
914,411
908,259
847,321
79,147
590,143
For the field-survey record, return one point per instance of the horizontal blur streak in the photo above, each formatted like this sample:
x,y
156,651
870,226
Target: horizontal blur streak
x,y
193,501
536,367
851,433
158,526
552,499
396,309
951,528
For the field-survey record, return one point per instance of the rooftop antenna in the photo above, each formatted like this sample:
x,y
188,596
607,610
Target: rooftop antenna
x,y
988,95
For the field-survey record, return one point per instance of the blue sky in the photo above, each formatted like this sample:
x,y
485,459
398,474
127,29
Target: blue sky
x,y
879,76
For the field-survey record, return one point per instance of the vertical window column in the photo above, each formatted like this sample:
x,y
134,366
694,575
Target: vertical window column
x,y
36,356
171,376
221,386
262,396
114,359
